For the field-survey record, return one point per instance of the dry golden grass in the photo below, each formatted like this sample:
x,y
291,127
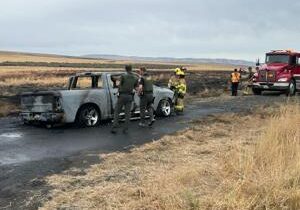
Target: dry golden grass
x,y
18,77
43,77
15,80
223,162
191,68
7,108
265,176
36,77
35,81
210,67
7,70
15,71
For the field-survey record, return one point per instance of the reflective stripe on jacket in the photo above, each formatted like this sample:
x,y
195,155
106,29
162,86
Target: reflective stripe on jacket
x,y
181,86
235,77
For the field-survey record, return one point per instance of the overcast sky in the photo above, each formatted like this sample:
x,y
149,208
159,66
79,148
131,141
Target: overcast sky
x,y
238,29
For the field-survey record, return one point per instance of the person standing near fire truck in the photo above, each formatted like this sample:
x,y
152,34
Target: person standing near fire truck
x,y
235,79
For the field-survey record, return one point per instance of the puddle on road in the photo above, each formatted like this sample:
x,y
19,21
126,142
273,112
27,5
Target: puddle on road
x,y
13,159
10,135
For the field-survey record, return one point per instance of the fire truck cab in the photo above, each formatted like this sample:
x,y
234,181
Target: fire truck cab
x,y
281,72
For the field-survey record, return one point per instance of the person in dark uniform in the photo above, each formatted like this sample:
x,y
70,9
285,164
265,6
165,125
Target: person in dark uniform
x,y
128,83
145,92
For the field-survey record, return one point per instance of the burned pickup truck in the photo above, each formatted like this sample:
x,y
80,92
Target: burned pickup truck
x,y
90,98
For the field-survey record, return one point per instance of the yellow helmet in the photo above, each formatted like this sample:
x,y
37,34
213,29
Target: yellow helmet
x,y
181,73
183,69
177,70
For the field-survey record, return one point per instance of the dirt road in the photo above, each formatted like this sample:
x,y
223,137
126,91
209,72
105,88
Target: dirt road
x,y
27,154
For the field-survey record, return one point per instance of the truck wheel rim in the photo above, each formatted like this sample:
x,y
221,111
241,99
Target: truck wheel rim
x,y
166,108
292,87
90,117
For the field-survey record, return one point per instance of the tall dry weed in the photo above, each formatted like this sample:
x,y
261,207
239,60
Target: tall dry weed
x,y
266,176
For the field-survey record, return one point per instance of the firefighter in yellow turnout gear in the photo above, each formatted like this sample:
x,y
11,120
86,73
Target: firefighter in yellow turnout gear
x,y
173,81
177,83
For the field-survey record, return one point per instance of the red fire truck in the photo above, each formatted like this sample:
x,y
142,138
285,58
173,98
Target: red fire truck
x,y
281,72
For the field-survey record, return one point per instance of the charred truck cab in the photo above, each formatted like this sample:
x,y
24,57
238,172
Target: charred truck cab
x,y
281,72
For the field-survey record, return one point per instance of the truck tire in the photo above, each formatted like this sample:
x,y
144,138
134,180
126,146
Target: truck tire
x,y
292,89
26,122
88,116
49,125
164,108
256,91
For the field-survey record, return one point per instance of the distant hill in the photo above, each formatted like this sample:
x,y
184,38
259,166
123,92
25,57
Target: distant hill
x,y
173,60
11,56
24,59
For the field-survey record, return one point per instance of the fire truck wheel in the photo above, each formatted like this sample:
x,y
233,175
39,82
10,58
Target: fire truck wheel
x,y
256,91
292,89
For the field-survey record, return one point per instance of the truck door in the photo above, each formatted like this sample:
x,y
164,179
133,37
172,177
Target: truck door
x,y
113,82
100,95
297,72
136,102
88,88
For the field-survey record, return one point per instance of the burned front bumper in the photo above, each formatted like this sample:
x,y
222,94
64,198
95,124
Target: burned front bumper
x,y
46,117
271,86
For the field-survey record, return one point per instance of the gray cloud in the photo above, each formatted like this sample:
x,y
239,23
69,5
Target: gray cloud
x,y
191,28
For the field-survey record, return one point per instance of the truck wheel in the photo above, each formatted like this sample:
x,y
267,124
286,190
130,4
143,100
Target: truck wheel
x,y
49,125
88,116
164,108
256,91
292,89
26,122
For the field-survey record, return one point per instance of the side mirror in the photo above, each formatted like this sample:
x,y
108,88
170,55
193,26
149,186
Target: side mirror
x,y
257,62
